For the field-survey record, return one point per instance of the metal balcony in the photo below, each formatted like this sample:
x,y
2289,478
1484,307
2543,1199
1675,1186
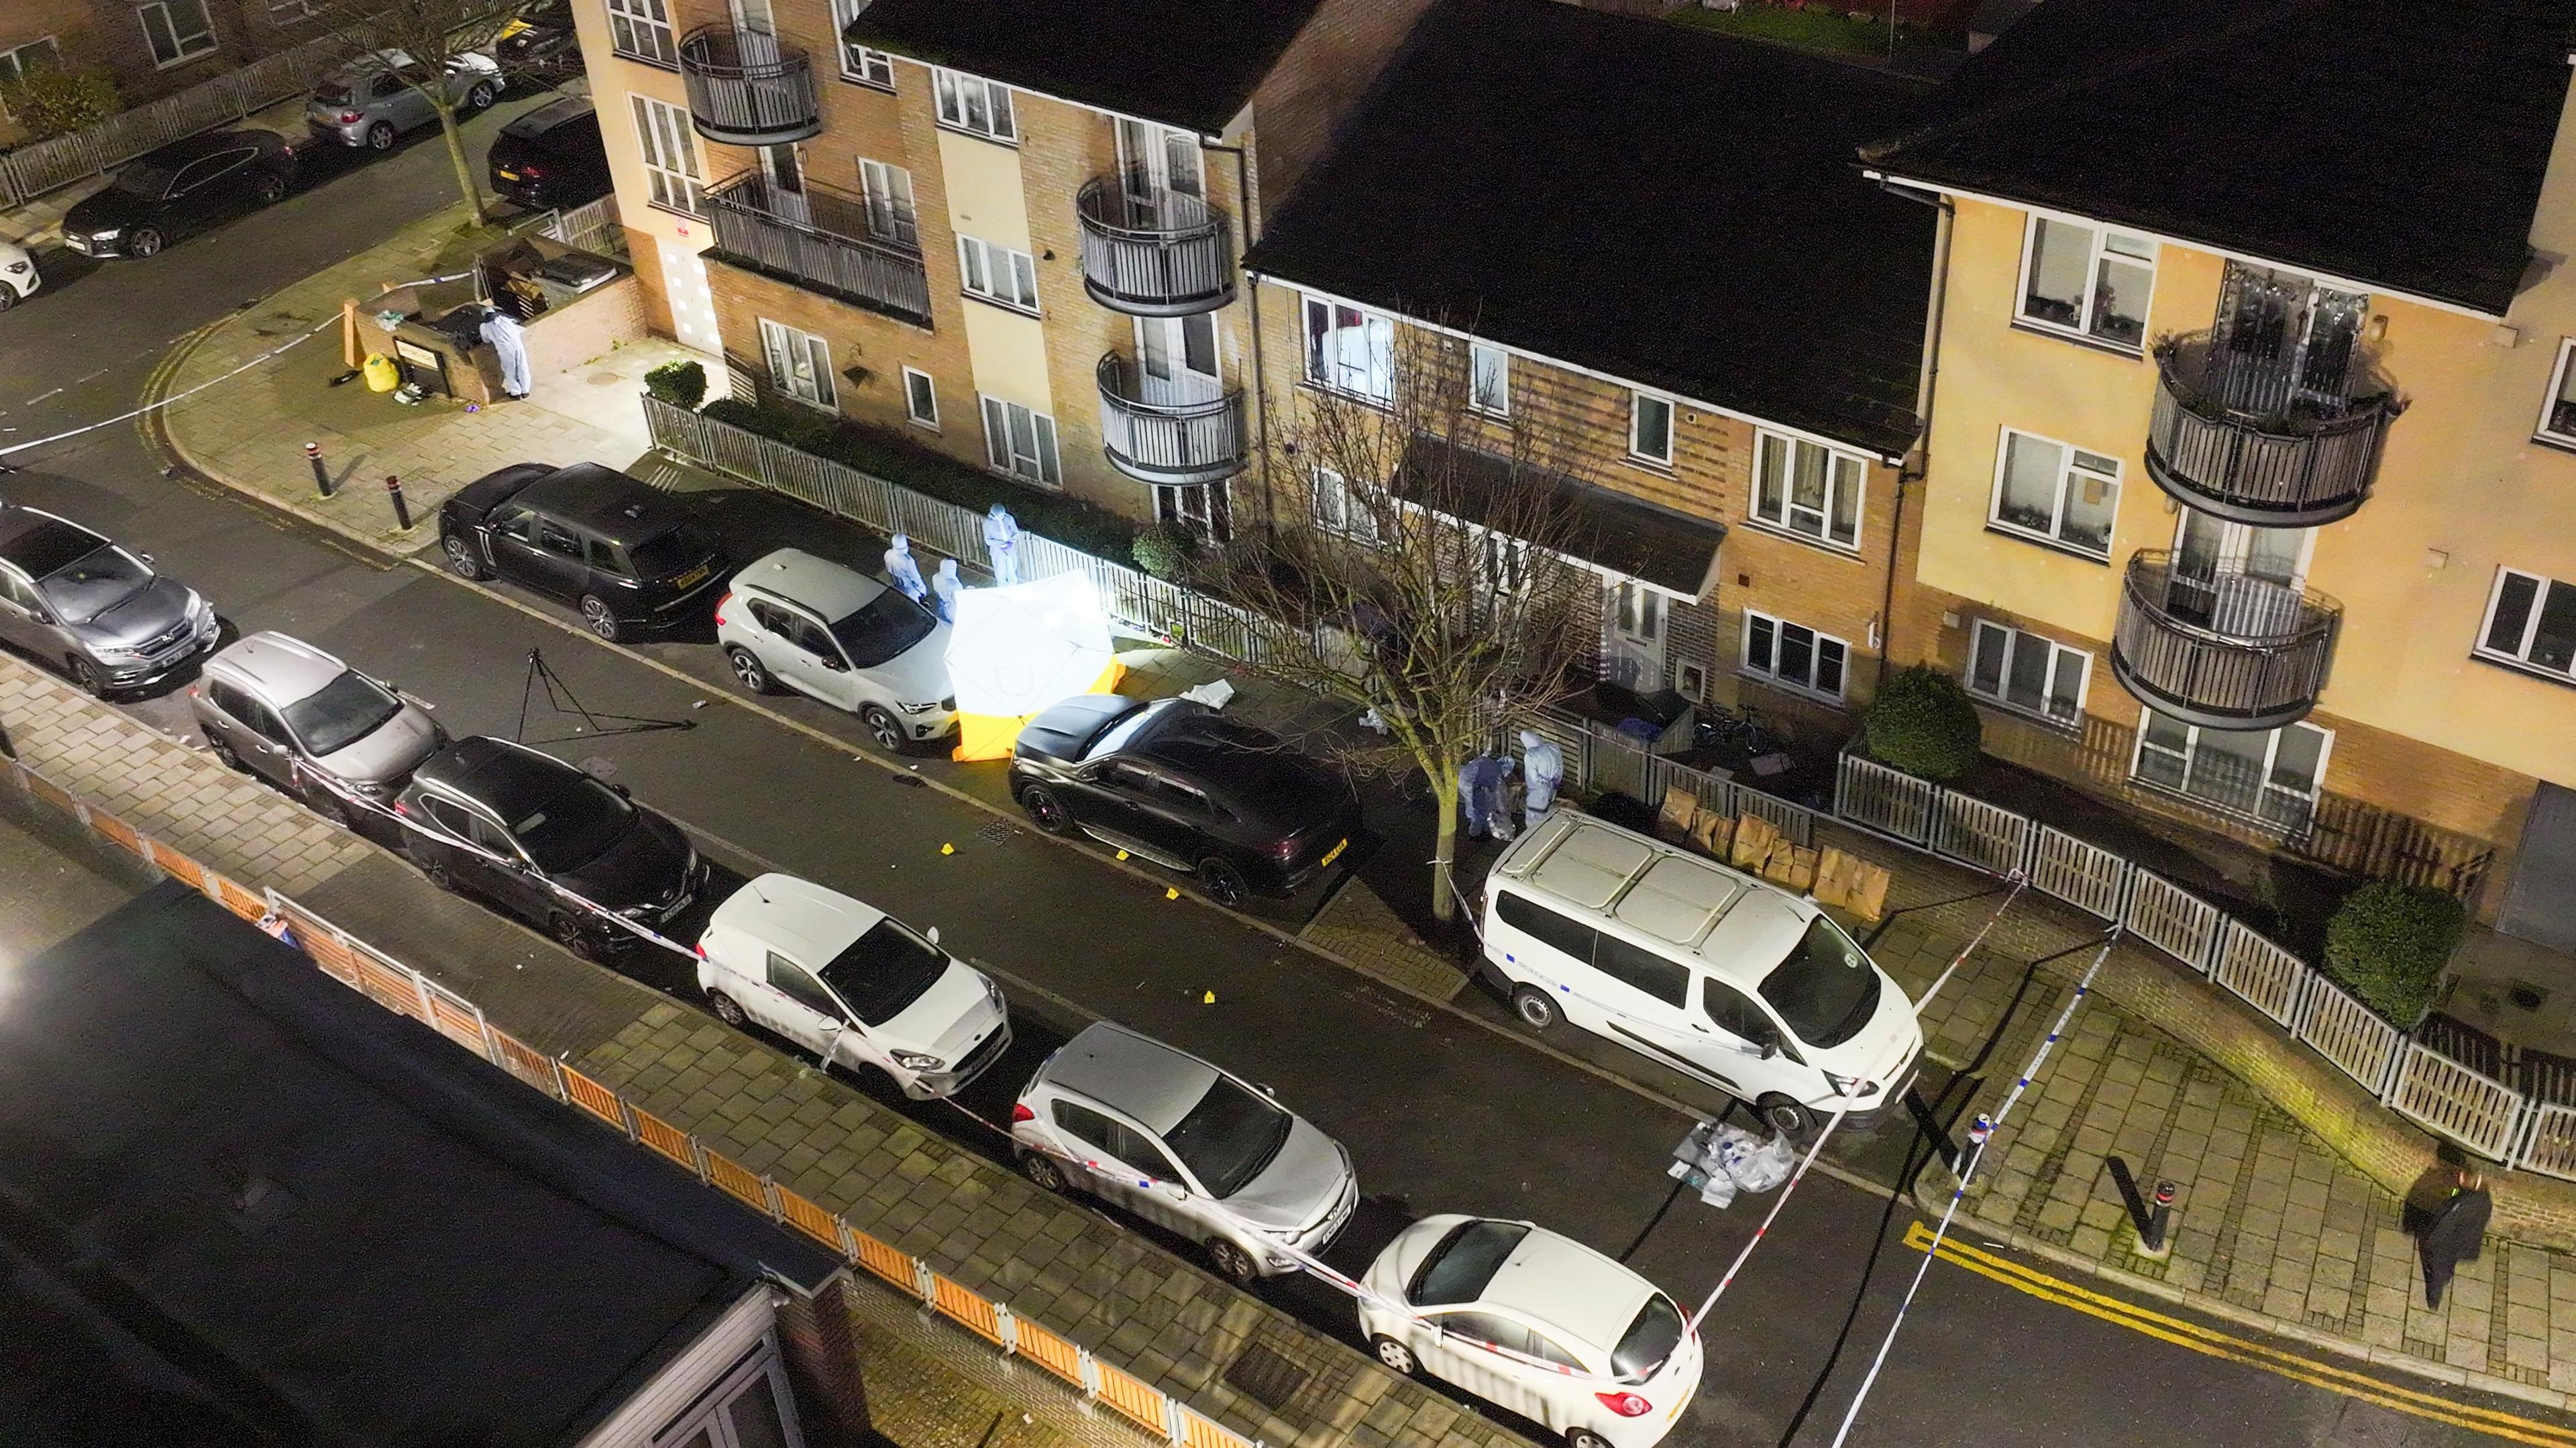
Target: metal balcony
x,y
2306,462
747,88
1168,443
1153,253
820,240
2223,650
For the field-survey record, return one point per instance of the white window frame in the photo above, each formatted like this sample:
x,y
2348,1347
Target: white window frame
x,y
641,30
203,40
912,410
1335,373
2520,658
954,92
663,136
2015,640
1786,520
13,69
709,1411
2068,473
901,222
2558,379
1204,509
1336,507
1637,396
2271,761
859,64
1042,466
779,341
1479,358
2081,330
1770,673
1638,612
985,269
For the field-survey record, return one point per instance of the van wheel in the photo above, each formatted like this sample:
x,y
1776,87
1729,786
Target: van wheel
x,y
1397,1357
1042,1171
1223,883
726,1011
1535,1009
596,617
1232,1263
747,670
1787,1117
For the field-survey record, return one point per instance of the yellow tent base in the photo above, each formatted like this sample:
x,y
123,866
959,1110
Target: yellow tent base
x,y
990,736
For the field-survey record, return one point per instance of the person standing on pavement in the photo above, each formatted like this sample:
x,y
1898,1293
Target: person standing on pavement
x,y
2447,1211
1543,769
943,589
1002,545
511,347
902,571
1480,786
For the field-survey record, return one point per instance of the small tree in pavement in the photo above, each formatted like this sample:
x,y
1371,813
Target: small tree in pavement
x,y
422,42
1414,567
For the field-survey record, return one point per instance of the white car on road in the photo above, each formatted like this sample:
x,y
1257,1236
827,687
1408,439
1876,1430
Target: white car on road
x,y
852,984
1594,1351
18,275
833,632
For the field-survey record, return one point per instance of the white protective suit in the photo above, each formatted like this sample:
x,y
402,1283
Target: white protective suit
x,y
512,349
903,572
943,590
1002,545
1542,770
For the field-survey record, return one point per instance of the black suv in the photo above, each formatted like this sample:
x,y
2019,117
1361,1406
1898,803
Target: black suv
x,y
1185,787
622,551
181,188
506,823
552,156
541,42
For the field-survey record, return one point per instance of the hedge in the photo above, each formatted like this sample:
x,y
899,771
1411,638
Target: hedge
x,y
2388,944
1924,723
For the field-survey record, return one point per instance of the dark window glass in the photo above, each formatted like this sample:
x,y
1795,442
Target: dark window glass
x,y
1546,926
346,710
1827,989
885,970
151,182
53,544
556,538
228,699
264,721
1757,644
1642,969
1229,1137
574,827
2512,612
1649,1340
1486,1327
1735,1015
1463,1262
1139,1151
884,628
792,980
603,556
673,551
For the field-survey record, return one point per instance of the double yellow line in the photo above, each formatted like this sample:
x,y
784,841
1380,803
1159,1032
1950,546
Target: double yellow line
x,y
2216,1344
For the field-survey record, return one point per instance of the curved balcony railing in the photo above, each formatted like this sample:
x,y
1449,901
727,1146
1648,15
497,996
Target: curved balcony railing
x,y
747,88
2223,650
819,240
1153,253
1169,443
2309,465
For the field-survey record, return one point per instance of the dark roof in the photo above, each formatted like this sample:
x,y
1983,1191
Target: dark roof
x,y
607,502
1191,63
40,543
245,1189
1623,534
180,153
503,776
1675,208
2392,142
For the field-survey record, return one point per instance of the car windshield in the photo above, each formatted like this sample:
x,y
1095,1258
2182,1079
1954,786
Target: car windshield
x,y
346,710
885,970
684,545
146,181
575,827
1464,1261
889,624
1827,989
1229,1137
1125,728
1649,1340
93,583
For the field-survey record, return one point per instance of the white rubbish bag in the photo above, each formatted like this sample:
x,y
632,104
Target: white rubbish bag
x,y
1754,1163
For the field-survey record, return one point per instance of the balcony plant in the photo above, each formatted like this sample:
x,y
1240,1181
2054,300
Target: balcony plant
x,y
2388,943
1924,723
681,384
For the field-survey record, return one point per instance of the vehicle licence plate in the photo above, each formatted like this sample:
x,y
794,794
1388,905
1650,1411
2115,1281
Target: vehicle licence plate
x,y
509,175
692,578
1332,854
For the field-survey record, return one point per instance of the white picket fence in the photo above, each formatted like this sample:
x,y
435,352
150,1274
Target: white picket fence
x,y
593,227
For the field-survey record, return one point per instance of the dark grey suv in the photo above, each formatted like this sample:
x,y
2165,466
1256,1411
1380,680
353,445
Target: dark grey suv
x,y
73,599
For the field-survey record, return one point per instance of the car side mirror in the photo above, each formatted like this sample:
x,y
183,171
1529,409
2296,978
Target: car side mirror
x,y
622,791
146,557
934,935
1174,1190
1770,1047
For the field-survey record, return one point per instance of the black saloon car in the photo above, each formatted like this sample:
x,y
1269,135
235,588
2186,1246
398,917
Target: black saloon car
x,y
515,827
552,156
182,188
1186,787
619,549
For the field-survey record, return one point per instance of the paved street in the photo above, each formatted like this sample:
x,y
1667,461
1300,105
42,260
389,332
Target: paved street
x,y
1442,1112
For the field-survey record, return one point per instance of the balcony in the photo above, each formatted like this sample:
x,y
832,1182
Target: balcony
x,y
1153,253
747,88
819,240
1169,443
2224,649
2269,456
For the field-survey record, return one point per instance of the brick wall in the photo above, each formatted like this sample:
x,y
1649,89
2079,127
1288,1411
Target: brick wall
x,y
590,326
107,35
1317,81
823,1367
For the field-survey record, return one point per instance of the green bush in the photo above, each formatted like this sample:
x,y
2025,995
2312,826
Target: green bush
x,y
48,101
2388,943
1076,524
1924,723
681,384
1164,551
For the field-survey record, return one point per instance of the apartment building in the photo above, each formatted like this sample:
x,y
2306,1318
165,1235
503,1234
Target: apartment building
x,y
1008,229
149,47
2249,482
1654,246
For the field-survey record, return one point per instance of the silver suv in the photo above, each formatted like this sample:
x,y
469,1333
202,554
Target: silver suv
x,y
70,597
835,633
283,709
369,102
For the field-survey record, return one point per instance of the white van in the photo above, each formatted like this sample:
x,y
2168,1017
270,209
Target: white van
x,y
1708,970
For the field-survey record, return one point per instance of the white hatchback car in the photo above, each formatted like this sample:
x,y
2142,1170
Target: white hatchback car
x,y
1597,1353
830,631
852,984
18,275
1186,1146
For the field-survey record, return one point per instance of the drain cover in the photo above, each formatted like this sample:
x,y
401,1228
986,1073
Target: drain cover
x,y
1266,1376
995,832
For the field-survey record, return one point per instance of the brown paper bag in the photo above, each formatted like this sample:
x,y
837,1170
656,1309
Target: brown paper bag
x,y
1868,897
1714,834
1833,879
1681,809
1754,837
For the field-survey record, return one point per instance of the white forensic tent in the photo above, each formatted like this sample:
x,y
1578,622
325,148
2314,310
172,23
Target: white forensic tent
x,y
1016,650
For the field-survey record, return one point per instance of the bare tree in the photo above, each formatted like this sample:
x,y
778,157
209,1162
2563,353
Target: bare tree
x,y
1416,567
440,49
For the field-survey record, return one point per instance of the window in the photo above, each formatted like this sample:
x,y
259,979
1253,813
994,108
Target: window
x,y
1650,427
750,1407
794,982
641,30
888,193
1794,654
2558,415
670,156
2087,281
800,363
858,63
1560,933
920,399
2531,622
1489,382
558,540
16,65
975,105
177,30
2027,672
2052,491
1504,560
1205,510
1637,612
1735,1014
2269,775
1350,351
1641,969
1338,508
998,274
1021,442
1807,488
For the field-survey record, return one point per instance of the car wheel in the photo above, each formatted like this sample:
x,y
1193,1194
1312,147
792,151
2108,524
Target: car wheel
x,y
270,188
726,1011
144,242
86,677
480,96
319,799
1042,1172
1231,1262
1786,1117
1397,1357
1584,1438
882,728
217,746
1045,810
1223,883
1536,1010
461,560
8,296
568,932
747,670
380,136
596,617
439,875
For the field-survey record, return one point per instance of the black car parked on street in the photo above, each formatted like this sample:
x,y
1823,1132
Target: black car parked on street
x,y
180,189
552,156
1184,786
619,549
503,822
540,42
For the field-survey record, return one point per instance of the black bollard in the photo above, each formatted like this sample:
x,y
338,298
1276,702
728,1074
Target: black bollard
x,y
321,474
402,510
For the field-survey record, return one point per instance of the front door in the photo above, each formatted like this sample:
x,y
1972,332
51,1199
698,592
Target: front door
x,y
2283,340
1176,359
797,1005
1125,1167
2238,579
1632,637
19,610
2540,905
806,658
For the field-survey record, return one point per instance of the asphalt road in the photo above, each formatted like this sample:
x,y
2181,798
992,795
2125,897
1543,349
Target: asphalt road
x,y
1441,1112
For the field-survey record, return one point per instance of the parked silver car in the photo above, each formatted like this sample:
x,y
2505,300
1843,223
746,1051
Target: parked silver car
x,y
369,103
71,597
833,632
283,709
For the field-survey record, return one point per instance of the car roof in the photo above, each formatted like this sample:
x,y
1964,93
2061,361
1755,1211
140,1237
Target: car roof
x,y
1152,1082
1581,1293
180,153
833,590
1738,926
496,772
39,542
800,919
282,669
617,507
545,118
